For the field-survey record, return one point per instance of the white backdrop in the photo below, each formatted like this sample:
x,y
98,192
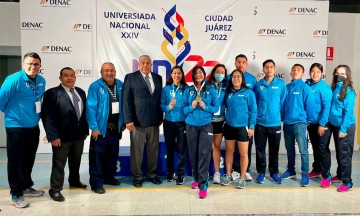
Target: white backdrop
x,y
60,32
207,32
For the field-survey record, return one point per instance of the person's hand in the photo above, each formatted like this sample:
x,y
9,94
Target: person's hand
x,y
56,143
130,126
202,104
250,133
341,135
194,103
95,134
321,130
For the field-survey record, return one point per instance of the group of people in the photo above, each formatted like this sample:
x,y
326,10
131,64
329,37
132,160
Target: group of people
x,y
235,106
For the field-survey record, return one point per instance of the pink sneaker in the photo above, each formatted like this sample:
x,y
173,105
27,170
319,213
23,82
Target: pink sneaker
x,y
335,179
202,194
194,185
325,182
314,174
344,188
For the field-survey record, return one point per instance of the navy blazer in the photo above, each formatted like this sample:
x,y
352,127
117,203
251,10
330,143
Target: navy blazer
x,y
139,105
59,116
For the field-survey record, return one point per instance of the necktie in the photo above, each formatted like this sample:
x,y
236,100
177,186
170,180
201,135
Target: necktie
x,y
75,102
148,83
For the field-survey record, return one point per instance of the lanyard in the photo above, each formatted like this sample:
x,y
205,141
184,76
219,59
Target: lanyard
x,y
34,89
173,91
113,94
218,89
198,91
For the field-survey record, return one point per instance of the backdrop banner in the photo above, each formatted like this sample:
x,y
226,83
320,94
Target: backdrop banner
x,y
83,34
60,32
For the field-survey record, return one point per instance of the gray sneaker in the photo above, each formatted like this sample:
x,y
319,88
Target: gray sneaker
x,y
240,183
216,178
19,202
31,192
225,180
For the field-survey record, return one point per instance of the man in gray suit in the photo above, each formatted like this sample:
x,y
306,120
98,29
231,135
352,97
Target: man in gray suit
x,y
143,116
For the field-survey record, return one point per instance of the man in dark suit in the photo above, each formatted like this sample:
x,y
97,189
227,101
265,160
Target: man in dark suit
x,y
143,116
64,118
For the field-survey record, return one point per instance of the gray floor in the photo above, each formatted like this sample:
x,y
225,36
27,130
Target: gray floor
x,y
268,198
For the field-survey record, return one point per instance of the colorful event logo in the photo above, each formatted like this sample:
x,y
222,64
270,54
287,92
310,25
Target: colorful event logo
x,y
176,45
176,37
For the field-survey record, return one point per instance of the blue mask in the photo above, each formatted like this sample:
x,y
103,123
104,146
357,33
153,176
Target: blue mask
x,y
219,77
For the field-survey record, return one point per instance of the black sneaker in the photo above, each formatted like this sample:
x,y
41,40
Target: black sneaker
x,y
180,180
170,177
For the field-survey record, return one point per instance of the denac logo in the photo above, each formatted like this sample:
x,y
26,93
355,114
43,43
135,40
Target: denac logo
x,y
56,49
272,32
303,10
301,55
32,25
320,33
83,72
82,27
55,3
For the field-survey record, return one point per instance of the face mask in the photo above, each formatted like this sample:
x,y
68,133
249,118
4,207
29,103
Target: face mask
x,y
341,78
219,77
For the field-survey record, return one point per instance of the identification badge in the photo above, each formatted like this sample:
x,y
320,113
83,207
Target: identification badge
x,y
38,106
218,112
115,107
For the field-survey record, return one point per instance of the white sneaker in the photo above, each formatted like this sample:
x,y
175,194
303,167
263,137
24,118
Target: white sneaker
x,y
235,175
248,177
19,202
216,178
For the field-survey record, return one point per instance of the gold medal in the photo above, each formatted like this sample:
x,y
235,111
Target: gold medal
x,y
198,98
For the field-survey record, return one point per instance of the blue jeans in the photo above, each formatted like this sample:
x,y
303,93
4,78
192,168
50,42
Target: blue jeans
x,y
292,133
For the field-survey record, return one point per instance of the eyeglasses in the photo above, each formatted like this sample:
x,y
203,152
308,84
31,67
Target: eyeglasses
x,y
37,65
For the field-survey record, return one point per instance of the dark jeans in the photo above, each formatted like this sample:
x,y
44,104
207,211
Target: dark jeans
x,y
103,157
344,150
22,144
321,151
175,138
273,136
236,162
199,139
71,151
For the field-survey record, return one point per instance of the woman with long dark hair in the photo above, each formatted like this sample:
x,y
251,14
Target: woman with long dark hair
x,y
172,103
240,120
342,124
318,130
200,104
218,81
